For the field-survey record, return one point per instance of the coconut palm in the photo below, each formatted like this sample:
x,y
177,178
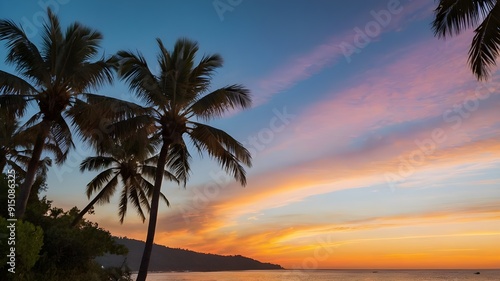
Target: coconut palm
x,y
178,97
454,16
125,162
52,77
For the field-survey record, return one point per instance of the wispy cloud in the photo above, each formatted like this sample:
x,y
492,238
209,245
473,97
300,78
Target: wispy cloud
x,y
303,66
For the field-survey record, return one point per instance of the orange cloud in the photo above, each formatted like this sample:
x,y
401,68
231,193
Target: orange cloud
x,y
294,244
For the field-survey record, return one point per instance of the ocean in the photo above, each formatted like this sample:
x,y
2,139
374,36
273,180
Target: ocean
x,y
324,275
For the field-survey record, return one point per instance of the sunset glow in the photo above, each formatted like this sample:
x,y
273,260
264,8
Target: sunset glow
x,y
386,157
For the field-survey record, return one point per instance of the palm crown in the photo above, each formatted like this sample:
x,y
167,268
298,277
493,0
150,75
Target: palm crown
x,y
126,162
53,77
180,94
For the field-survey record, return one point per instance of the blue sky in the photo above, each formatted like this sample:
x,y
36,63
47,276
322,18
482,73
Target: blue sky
x,y
367,131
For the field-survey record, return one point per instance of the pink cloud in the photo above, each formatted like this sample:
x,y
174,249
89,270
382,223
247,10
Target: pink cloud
x,y
301,68
421,84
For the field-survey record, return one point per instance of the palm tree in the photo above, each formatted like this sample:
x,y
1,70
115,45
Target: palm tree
x,y
125,162
177,98
53,76
454,16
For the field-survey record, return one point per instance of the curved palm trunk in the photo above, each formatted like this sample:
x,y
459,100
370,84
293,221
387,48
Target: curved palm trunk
x,y
87,208
25,188
153,214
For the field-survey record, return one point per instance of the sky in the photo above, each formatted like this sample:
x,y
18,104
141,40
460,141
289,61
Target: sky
x,y
373,144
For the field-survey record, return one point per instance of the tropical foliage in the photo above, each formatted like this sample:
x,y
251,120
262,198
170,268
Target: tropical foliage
x,y
136,145
29,241
15,147
126,162
52,78
48,249
454,16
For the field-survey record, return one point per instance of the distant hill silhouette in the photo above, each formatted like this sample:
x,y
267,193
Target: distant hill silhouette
x,y
169,259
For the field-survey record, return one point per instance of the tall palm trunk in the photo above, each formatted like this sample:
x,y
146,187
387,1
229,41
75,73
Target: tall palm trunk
x,y
153,213
87,208
25,188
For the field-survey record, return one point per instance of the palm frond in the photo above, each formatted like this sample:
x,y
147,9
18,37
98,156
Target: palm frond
x,y
135,71
143,194
14,105
95,163
150,172
51,147
485,47
107,107
176,69
148,187
60,134
123,204
184,53
167,81
203,140
162,196
17,165
84,42
453,16
52,38
138,198
43,166
92,75
127,128
220,101
138,144
145,185
201,75
13,85
80,44
97,117
217,139
178,162
32,127
22,52
101,179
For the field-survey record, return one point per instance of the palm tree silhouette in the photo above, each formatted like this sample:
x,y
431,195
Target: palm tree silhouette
x,y
126,162
454,16
53,77
175,98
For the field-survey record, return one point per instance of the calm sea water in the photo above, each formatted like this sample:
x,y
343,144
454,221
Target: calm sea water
x,y
324,275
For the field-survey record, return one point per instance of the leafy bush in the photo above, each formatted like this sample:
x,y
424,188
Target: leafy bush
x,y
48,248
28,242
